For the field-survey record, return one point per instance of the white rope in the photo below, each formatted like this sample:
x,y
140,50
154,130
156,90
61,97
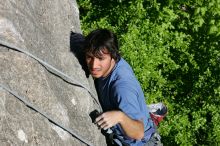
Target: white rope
x,y
58,73
52,69
28,104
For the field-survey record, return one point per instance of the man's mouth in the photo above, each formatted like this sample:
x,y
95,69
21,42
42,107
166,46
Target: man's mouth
x,y
94,71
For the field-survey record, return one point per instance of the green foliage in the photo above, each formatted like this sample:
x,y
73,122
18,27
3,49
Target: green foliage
x,y
173,47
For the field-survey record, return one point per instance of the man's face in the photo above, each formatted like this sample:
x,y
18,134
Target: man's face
x,y
100,66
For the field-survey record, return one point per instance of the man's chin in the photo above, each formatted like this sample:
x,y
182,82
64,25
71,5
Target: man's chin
x,y
95,75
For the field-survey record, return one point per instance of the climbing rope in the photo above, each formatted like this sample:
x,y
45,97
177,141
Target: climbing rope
x,y
58,73
52,69
28,104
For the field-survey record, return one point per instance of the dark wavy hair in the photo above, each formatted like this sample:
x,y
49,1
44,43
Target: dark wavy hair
x,y
100,39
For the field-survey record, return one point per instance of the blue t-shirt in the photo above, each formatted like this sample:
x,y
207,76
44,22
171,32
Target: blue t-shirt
x,y
120,90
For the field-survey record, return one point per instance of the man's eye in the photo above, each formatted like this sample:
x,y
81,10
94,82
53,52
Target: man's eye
x,y
88,57
101,58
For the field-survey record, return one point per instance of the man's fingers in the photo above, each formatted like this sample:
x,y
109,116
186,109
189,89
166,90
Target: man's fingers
x,y
105,120
104,125
98,119
101,122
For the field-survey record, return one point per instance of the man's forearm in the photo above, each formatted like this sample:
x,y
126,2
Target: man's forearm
x,y
132,128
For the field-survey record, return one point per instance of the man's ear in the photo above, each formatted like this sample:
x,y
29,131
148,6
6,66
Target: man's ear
x,y
113,60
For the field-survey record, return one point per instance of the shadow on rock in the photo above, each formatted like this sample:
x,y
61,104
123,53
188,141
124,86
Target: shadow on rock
x,y
76,46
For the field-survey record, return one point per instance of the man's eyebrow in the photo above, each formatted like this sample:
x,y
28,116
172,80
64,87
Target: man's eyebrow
x,y
95,55
89,54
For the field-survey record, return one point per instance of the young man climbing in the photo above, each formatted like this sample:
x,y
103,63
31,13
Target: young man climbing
x,y
120,94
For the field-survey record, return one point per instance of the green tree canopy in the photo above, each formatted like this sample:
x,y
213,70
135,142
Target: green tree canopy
x,y
173,47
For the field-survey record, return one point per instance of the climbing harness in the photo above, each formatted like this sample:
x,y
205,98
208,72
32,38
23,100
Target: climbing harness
x,y
58,73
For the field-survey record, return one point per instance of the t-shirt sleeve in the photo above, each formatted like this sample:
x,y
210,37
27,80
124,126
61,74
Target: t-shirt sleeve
x,y
125,97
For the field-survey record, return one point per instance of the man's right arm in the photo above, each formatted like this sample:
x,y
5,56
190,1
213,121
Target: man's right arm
x,y
132,128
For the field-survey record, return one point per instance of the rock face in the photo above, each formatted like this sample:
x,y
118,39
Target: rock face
x,y
43,28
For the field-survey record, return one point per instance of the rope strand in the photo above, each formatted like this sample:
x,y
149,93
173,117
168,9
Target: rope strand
x,y
52,69
28,104
58,73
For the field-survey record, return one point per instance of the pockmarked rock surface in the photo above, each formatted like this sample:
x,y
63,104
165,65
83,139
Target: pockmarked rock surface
x,y
43,29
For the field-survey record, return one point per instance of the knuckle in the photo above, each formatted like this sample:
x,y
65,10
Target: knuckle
x,y
103,115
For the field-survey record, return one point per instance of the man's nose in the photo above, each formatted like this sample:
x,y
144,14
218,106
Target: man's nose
x,y
94,63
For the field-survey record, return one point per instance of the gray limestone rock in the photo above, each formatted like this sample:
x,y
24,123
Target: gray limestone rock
x,y
43,28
